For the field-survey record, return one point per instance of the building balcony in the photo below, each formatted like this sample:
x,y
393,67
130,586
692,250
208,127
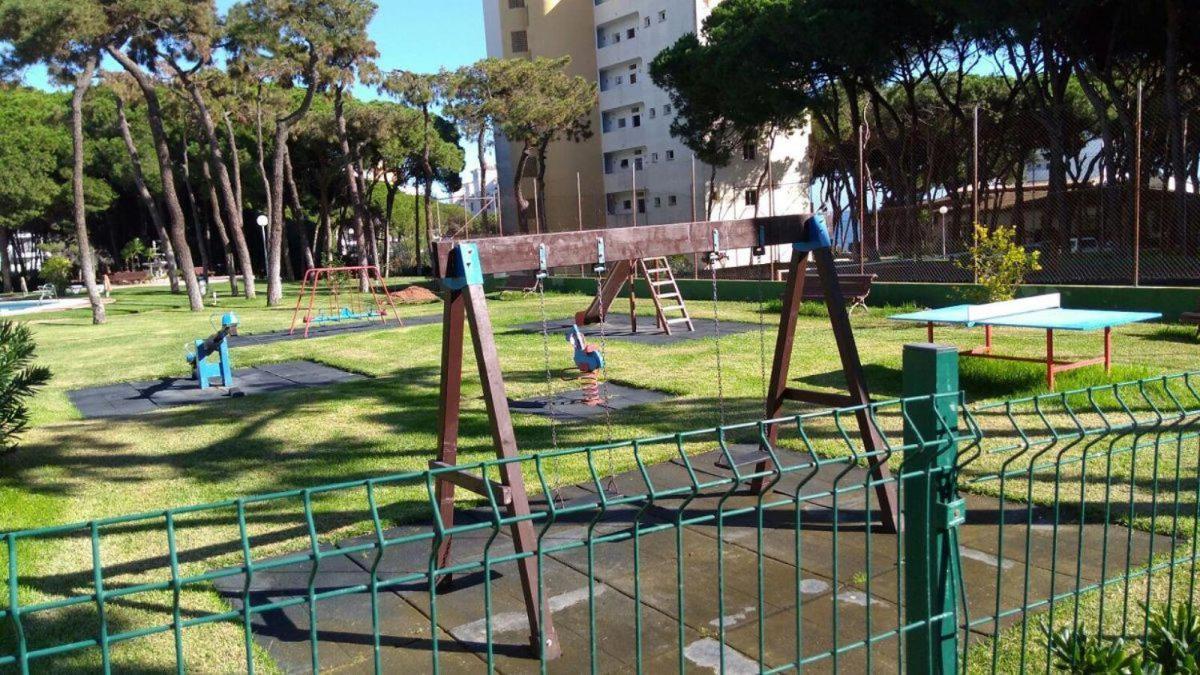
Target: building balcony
x,y
623,139
607,11
624,94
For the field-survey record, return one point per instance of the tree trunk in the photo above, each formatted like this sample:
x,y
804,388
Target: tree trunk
x,y
427,169
230,260
417,231
356,197
5,262
201,232
178,224
387,230
481,156
151,206
230,201
83,81
283,127
298,211
522,203
324,228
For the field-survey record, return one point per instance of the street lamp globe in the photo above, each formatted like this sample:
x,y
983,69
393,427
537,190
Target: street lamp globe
x,y
262,220
943,209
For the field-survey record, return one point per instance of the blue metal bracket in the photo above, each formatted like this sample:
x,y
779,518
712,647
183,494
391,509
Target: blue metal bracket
x,y
760,249
816,236
715,254
464,268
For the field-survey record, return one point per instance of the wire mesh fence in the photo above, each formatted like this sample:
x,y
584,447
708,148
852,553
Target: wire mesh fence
x,y
653,554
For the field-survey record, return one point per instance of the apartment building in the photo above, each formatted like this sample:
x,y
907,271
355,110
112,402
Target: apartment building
x,y
632,165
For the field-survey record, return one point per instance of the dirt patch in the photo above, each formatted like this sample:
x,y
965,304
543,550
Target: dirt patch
x,y
414,295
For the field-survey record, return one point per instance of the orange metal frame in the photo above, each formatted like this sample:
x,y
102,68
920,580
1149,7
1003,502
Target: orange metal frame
x,y
1053,365
313,277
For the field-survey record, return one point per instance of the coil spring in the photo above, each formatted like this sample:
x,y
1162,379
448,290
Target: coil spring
x,y
589,384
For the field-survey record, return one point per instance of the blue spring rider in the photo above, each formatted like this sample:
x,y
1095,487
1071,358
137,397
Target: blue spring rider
x,y
589,361
204,370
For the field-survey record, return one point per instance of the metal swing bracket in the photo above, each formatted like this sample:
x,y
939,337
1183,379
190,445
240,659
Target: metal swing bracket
x,y
715,255
760,248
543,258
600,262
464,268
816,236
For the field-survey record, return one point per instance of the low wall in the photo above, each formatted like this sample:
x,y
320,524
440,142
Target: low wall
x,y
1171,301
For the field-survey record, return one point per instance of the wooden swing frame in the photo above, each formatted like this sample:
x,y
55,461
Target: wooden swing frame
x,y
461,265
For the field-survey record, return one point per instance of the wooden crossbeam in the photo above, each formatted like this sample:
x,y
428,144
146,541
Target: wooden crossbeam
x,y
564,249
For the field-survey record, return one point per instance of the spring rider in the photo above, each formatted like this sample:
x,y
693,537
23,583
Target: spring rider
x,y
202,369
589,360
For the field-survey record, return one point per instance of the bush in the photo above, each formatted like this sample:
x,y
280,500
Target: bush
x,y
999,262
1172,645
57,270
18,380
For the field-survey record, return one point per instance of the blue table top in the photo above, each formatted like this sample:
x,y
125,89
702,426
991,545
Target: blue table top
x,y
1058,319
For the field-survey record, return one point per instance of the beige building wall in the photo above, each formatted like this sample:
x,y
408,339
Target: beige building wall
x,y
550,28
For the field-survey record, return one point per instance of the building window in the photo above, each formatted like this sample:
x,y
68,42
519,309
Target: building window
x,y
647,22
658,202
630,33
516,4
653,112
662,16
667,109
751,197
749,152
520,41
671,200
637,120
628,205
641,205
637,164
616,37
654,158
625,163
621,123
633,78
620,79
670,155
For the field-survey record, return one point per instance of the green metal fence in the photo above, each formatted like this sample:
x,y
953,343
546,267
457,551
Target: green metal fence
x,y
1076,509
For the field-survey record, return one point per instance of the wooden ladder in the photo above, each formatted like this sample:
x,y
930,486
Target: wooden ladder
x,y
664,292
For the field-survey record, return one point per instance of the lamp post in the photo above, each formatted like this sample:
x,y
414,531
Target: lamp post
x,y
263,221
943,210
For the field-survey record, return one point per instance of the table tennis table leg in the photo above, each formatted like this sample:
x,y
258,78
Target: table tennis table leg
x,y
929,330
987,339
1050,358
1108,350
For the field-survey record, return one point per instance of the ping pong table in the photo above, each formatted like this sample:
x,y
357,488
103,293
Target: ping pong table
x,y
1041,312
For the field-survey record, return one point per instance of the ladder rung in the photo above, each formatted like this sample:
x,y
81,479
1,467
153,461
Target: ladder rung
x,y
668,295
658,270
679,320
471,483
672,308
661,282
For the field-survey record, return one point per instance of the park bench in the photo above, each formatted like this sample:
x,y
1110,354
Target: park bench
x,y
1192,318
128,278
855,288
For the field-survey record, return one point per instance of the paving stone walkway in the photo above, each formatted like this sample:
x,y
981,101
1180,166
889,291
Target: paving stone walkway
x,y
825,585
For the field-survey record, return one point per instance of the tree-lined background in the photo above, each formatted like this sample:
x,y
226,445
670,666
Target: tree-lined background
x,y
183,127
1023,113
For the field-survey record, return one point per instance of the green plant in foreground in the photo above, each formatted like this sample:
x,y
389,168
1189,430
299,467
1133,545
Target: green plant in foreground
x,y
999,262
1075,651
1173,639
18,380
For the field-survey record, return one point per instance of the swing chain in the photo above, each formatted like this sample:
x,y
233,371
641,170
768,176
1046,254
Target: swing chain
x,y
713,257
600,270
543,272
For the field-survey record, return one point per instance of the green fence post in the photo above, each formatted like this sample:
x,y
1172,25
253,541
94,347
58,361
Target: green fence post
x,y
931,509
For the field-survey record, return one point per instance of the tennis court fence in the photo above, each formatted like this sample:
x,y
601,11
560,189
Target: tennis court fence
x,y
1071,510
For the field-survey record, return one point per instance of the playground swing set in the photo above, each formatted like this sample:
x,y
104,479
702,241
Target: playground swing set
x,y
344,298
460,267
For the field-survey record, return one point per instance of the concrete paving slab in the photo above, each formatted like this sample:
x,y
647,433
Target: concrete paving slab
x,y
618,327
569,406
135,398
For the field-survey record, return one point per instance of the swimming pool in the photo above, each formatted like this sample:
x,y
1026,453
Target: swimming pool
x,y
11,307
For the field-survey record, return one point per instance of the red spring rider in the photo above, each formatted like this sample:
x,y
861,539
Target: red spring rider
x,y
589,360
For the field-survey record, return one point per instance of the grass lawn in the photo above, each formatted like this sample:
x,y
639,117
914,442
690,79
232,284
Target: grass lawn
x,y
69,469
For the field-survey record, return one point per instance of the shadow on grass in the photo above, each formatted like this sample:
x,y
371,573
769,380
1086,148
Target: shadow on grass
x,y
1184,335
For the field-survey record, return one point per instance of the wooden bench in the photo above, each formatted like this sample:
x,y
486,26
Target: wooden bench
x,y
855,288
128,278
1192,318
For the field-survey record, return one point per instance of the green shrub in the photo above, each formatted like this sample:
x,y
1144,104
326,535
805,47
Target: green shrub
x,y
18,380
1173,640
133,251
1075,651
999,262
57,270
